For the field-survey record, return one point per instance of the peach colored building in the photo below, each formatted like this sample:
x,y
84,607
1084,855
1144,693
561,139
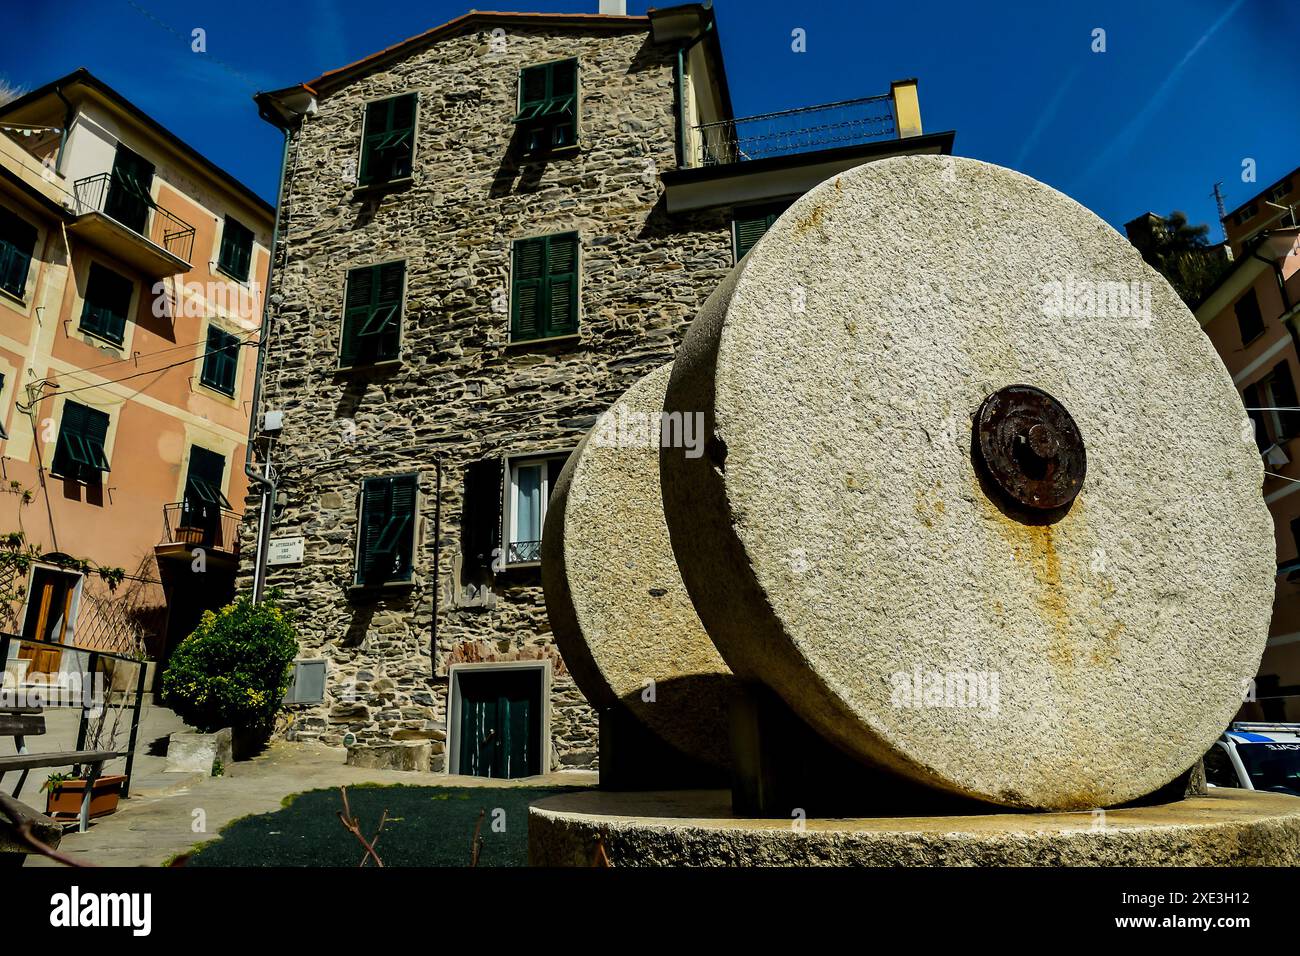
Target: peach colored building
x,y
1275,206
131,271
1250,316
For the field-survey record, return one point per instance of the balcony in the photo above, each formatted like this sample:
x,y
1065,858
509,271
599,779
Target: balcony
x,y
782,155
133,227
790,132
190,525
524,552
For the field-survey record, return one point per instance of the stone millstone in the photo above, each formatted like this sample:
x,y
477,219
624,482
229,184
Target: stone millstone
x,y
842,548
1228,827
616,601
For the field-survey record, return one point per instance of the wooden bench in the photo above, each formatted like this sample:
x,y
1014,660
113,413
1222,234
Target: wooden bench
x,y
23,722
13,816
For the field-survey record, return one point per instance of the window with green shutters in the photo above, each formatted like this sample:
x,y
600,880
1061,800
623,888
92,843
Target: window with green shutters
x,y
544,287
372,315
220,361
548,106
203,480
108,300
386,536
750,224
388,140
1250,322
130,191
80,453
236,253
17,244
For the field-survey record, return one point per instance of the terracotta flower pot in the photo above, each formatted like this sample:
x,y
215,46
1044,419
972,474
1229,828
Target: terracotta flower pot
x,y
63,799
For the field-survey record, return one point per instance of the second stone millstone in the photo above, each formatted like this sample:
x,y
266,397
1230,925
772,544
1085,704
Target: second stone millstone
x,y
1055,607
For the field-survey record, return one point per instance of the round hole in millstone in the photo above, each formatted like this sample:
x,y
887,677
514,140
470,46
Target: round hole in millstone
x,y
1030,448
849,555
618,608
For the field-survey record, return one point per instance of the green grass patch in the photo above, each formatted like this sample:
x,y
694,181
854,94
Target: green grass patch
x,y
427,826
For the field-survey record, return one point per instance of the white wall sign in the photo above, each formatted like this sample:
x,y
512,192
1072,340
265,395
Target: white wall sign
x,y
286,550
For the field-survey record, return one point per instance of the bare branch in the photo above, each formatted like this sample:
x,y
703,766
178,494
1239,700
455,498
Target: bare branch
x,y
353,827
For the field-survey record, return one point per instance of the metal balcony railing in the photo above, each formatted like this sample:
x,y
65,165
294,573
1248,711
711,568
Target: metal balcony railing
x,y
521,552
846,123
113,197
201,526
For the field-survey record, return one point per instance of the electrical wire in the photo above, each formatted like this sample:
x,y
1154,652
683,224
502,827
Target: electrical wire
x,y
126,378
136,358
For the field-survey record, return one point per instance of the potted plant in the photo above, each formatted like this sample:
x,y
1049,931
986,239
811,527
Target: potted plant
x,y
64,793
229,676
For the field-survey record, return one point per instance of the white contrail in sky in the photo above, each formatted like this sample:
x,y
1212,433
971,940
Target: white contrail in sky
x,y
1125,138
1045,118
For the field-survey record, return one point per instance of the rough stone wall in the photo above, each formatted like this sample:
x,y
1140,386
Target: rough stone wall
x,y
460,392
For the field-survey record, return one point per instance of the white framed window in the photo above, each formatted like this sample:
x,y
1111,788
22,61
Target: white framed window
x,y
528,492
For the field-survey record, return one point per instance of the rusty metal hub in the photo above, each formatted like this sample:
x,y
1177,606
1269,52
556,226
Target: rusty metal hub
x,y
1030,447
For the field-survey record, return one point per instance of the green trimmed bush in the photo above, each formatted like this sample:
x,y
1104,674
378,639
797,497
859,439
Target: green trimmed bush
x,y
234,669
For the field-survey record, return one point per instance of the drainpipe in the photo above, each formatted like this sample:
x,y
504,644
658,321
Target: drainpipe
x,y
437,570
265,480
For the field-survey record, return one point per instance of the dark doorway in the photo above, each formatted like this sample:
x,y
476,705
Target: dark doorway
x,y
500,722
201,509
129,198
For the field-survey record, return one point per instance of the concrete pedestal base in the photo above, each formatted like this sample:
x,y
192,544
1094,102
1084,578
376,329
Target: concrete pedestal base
x,y
697,828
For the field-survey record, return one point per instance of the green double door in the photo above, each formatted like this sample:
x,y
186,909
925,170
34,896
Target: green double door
x,y
500,723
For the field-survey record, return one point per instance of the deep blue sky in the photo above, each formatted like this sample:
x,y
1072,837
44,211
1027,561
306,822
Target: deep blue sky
x,y
1186,90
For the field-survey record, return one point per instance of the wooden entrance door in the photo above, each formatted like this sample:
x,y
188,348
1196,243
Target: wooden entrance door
x,y
500,722
49,616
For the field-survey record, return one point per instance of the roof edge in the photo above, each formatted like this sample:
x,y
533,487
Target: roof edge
x,y
82,76
332,79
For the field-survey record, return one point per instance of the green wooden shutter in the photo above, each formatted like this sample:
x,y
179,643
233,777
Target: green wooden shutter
x,y
108,300
221,361
95,434
388,141
72,424
203,480
236,253
562,285
533,83
399,537
750,228
372,317
1250,323
359,293
129,193
80,452
387,533
384,326
1282,386
527,289
548,105
17,244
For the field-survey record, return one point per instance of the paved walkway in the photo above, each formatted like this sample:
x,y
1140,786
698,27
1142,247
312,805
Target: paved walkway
x,y
166,817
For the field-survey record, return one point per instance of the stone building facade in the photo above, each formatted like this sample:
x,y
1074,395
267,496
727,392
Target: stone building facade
x,y
451,635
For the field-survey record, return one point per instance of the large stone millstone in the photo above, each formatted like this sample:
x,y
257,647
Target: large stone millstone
x,y
842,547
619,610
